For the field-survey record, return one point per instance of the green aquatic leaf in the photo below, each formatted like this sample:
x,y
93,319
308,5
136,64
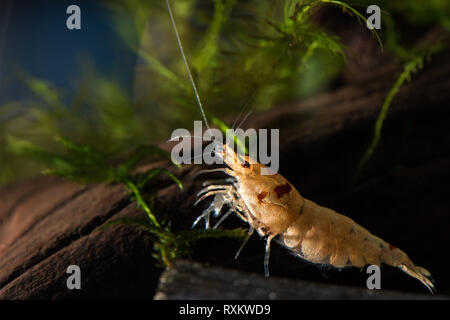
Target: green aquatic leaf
x,y
154,173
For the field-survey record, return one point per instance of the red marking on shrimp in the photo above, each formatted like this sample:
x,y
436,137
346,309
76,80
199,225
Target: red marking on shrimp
x,y
392,247
261,196
282,190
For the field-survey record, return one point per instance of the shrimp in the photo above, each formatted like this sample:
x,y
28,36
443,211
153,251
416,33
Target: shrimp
x,y
273,207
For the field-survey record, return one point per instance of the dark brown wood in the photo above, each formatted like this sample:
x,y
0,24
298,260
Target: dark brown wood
x,y
193,281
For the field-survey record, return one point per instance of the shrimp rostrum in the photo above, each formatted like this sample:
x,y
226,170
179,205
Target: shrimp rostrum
x,y
274,208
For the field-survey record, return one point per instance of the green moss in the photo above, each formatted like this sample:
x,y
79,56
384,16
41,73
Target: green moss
x,y
413,60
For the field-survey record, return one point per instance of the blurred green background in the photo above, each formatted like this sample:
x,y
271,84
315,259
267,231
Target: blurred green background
x,y
119,82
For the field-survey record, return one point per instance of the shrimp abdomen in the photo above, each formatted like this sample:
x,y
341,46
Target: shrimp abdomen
x,y
323,236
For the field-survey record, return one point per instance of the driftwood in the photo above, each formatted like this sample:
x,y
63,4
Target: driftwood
x,y
47,224
193,281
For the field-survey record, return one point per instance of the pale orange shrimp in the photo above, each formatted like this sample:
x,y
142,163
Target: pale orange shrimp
x,y
274,207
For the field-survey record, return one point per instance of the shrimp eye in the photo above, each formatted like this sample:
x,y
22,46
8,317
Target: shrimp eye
x,y
246,165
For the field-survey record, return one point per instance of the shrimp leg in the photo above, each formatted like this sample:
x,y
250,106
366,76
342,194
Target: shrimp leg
x,y
218,182
249,234
223,218
267,254
223,195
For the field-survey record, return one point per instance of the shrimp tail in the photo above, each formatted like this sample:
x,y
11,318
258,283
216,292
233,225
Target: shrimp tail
x,y
421,274
398,258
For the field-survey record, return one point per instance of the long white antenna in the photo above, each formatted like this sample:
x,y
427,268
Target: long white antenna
x,y
186,63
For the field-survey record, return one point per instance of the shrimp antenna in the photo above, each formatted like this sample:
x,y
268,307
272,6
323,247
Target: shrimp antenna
x,y
244,107
180,46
